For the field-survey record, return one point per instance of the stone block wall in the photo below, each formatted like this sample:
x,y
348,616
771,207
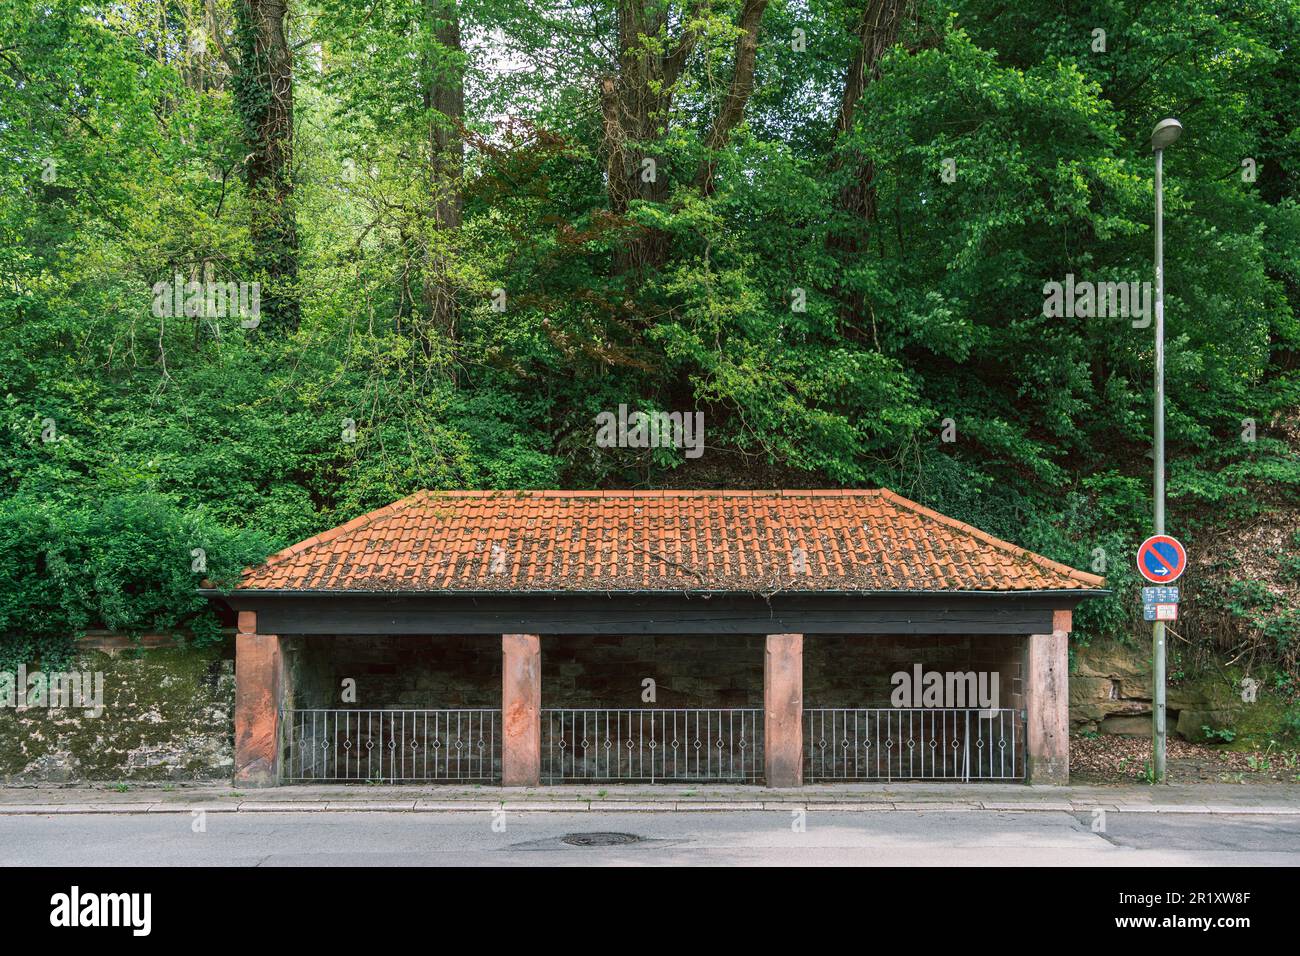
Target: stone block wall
x,y
1111,693
714,670
446,671
167,715
856,671
689,671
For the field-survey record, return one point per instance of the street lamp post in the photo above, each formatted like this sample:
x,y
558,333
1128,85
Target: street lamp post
x,y
1165,133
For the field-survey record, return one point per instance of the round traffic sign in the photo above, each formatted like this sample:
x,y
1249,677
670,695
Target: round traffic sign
x,y
1161,559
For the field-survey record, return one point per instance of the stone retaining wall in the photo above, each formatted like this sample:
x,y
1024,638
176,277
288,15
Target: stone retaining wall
x,y
167,715
1111,692
168,710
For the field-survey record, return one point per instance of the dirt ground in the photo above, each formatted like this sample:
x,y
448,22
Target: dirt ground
x,y
1112,758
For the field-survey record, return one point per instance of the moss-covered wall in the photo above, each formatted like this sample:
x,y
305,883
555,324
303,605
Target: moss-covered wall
x,y
168,715
1110,692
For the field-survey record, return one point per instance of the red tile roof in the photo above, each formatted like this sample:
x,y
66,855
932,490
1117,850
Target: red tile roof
x,y
749,541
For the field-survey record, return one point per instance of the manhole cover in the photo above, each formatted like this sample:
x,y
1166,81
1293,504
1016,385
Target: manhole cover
x,y
600,839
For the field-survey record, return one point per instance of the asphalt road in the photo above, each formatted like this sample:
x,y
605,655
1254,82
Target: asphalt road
x,y
478,838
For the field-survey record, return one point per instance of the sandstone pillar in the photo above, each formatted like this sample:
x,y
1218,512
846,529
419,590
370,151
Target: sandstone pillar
x,y
1047,703
521,710
783,710
259,682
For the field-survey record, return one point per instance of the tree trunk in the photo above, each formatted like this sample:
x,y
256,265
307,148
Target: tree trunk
x,y
444,98
634,106
878,29
742,85
264,97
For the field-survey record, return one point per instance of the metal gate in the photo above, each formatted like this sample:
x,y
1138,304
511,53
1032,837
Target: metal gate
x,y
887,743
390,746
652,745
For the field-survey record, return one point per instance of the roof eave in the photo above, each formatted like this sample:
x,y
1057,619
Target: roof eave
x,y
611,592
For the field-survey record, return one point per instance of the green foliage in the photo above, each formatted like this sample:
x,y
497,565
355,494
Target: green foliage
x,y
122,562
128,439
1224,734
1291,722
252,94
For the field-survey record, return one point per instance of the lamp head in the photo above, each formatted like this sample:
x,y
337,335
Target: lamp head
x,y
1165,133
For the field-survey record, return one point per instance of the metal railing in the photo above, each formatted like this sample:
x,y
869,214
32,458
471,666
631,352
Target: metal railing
x,y
463,746
652,745
888,743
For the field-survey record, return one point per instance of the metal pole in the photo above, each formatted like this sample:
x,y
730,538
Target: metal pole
x,y
1158,630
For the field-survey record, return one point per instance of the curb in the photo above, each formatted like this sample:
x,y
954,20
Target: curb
x,y
481,806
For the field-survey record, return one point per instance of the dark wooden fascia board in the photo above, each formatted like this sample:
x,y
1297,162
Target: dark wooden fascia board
x,y
653,613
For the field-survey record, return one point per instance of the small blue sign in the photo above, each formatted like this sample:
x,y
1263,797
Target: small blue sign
x,y
1160,595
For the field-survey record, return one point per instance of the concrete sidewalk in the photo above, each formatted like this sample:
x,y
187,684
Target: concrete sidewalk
x,y
1172,799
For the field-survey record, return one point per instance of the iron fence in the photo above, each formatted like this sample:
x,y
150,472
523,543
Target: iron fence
x,y
652,745
462,746
887,743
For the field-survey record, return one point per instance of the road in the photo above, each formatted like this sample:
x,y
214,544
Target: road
x,y
700,838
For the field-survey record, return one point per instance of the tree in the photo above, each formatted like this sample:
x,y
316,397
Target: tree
x,y
877,31
444,101
395,87
264,99
654,43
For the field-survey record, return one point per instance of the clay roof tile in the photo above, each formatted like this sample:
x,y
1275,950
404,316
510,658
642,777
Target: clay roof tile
x,y
852,540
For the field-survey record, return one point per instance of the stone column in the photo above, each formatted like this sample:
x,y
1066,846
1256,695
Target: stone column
x,y
1047,703
521,710
259,680
783,710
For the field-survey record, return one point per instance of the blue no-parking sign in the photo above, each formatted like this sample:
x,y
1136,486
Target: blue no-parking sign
x,y
1161,559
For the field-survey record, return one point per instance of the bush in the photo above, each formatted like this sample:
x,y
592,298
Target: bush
x,y
130,563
